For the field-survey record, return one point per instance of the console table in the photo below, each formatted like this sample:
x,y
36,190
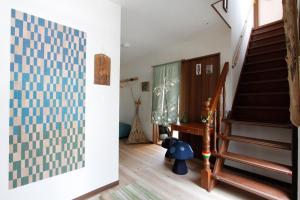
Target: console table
x,y
194,128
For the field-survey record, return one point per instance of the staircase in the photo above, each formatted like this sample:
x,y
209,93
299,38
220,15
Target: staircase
x,y
262,99
263,90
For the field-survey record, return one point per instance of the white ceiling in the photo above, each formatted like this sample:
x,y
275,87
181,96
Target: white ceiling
x,y
149,25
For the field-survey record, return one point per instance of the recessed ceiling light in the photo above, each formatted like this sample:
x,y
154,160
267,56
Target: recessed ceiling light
x,y
125,45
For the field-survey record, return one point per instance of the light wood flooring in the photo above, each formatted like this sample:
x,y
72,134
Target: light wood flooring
x,y
146,165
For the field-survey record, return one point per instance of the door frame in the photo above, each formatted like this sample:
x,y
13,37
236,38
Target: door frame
x,y
256,14
155,127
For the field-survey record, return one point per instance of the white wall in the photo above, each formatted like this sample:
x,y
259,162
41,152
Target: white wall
x,y
225,15
207,42
239,12
100,19
239,15
269,11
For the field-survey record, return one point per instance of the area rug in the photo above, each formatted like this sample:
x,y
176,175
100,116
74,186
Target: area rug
x,y
133,191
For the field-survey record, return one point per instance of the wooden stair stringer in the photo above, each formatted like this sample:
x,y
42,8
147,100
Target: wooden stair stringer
x,y
220,161
257,187
265,54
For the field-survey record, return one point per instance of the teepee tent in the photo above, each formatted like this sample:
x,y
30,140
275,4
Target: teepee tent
x,y
137,134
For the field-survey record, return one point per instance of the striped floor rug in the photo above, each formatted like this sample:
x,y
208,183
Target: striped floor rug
x,y
133,191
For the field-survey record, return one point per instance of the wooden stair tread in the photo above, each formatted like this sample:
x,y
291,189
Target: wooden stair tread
x,y
267,44
268,36
257,141
257,162
250,184
266,52
264,61
264,81
265,70
255,33
263,94
269,24
254,123
263,107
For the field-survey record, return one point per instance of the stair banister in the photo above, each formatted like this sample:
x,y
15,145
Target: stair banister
x,y
211,107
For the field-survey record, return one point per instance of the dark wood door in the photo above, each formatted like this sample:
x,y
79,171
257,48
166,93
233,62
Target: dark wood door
x,y
199,77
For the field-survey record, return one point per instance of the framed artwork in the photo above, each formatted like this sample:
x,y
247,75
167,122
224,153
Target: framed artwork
x,y
102,70
225,5
145,86
209,69
198,69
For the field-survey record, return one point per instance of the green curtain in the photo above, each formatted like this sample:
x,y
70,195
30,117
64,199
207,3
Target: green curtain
x,y
165,96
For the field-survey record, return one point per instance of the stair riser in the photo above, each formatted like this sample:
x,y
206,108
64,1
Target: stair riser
x,y
264,100
278,54
268,34
265,41
264,87
263,49
262,115
267,65
268,28
271,75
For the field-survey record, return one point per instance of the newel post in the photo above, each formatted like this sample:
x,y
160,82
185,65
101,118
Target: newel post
x,y
206,172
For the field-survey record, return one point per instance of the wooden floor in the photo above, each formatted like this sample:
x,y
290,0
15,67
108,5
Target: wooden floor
x,y
146,165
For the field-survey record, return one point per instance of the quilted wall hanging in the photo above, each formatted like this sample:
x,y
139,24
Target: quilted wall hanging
x,y
47,99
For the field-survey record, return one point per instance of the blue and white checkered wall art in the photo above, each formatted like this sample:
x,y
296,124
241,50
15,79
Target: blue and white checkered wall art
x,y
47,99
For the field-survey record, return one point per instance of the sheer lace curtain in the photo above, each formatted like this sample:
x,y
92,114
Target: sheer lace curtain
x,y
166,86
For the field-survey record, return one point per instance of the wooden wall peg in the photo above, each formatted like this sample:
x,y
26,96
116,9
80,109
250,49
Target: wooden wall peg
x,y
102,70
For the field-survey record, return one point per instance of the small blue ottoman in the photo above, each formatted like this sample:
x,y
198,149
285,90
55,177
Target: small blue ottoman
x,y
124,130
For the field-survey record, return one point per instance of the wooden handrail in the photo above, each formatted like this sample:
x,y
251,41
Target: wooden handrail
x,y
211,108
220,85
238,47
215,9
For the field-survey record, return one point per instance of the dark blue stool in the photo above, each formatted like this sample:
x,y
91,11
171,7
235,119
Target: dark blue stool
x,y
181,151
167,143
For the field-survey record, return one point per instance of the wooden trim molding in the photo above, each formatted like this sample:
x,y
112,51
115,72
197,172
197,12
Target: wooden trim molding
x,y
197,58
97,191
155,133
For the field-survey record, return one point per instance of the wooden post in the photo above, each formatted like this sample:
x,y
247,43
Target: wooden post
x,y
155,133
224,102
206,172
292,43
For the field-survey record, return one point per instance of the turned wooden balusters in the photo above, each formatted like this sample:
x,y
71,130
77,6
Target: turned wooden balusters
x,y
216,129
206,171
211,106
